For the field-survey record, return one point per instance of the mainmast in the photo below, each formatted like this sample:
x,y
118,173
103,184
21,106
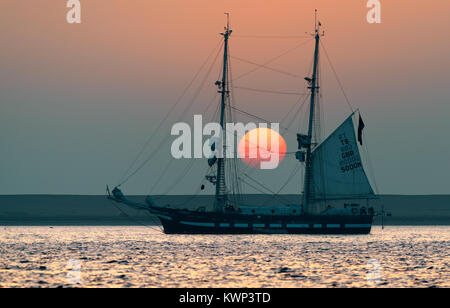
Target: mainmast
x,y
221,191
314,87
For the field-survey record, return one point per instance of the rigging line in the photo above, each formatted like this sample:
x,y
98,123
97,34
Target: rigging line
x,y
180,178
248,169
254,116
301,107
337,77
366,153
235,161
155,220
297,112
256,145
196,192
199,88
274,58
171,110
293,173
236,186
286,129
163,141
135,220
264,187
187,168
261,191
191,196
267,67
271,36
292,108
192,162
269,91
158,180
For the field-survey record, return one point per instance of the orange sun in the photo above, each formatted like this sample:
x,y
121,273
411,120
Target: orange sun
x,y
262,145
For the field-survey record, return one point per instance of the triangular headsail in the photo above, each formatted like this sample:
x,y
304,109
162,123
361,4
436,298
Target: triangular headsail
x,y
337,170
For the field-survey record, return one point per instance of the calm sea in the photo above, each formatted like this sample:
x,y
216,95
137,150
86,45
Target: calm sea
x,y
145,257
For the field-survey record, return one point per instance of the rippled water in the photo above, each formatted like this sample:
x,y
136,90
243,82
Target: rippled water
x,y
145,257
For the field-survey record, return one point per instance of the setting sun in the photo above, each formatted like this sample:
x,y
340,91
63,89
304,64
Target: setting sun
x,y
261,145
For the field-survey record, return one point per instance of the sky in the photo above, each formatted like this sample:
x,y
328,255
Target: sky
x,y
79,101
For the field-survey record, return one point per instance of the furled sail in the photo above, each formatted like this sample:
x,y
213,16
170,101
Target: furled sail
x,y
337,170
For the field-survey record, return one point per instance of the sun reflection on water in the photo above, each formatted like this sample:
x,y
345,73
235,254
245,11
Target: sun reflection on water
x,y
143,257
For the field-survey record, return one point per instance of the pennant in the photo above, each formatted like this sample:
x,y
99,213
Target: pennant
x,y
360,129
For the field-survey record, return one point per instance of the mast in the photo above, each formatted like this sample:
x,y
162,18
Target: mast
x,y
223,89
314,87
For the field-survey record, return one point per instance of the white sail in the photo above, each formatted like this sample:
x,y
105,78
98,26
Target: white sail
x,y
337,170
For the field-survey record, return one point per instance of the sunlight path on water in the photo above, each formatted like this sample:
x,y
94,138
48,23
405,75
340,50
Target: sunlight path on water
x,y
142,257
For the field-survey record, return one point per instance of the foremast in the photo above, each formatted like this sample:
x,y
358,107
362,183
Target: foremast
x,y
221,191
314,87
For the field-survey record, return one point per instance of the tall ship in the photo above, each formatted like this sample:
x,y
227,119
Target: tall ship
x,y
336,190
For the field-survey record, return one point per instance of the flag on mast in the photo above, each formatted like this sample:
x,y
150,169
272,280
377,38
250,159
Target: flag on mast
x,y
360,129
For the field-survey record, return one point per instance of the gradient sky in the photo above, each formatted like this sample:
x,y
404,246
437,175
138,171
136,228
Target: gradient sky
x,y
77,102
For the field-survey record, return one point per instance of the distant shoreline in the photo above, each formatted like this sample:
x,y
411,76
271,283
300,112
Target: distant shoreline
x,y
96,210
124,223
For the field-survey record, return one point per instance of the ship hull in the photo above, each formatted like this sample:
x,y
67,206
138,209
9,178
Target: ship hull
x,y
190,222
